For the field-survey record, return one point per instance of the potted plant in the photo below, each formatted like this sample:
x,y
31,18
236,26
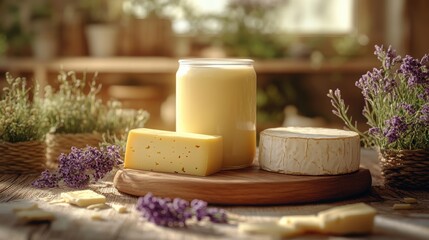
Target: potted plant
x,y
14,31
152,24
248,27
79,118
101,30
396,108
44,31
23,127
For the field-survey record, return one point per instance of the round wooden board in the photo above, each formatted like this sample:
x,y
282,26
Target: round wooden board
x,y
250,186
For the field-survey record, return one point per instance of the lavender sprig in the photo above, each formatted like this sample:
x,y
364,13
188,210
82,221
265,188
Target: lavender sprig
x,y
81,166
174,213
396,97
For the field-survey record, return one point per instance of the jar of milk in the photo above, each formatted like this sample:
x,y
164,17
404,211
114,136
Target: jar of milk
x,y
218,97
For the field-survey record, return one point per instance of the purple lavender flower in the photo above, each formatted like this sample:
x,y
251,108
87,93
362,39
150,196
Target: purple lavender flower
x,y
424,114
72,168
374,82
162,212
46,180
77,168
217,215
415,72
409,108
199,208
396,126
174,213
375,131
389,58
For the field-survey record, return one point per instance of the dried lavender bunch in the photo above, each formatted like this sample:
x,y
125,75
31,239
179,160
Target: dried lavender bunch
x,y
396,99
81,166
174,213
21,117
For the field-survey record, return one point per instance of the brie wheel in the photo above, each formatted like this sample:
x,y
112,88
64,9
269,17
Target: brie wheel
x,y
309,151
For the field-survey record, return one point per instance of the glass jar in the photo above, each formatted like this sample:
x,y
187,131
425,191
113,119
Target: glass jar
x,y
218,97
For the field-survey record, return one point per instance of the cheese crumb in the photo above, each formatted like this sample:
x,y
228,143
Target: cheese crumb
x,y
120,208
98,206
24,206
34,215
409,200
97,217
402,206
60,200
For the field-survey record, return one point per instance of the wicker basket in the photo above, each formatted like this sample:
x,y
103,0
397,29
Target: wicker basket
x,y
22,157
406,169
62,143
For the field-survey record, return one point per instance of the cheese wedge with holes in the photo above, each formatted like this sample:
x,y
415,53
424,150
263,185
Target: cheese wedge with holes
x,y
309,151
173,152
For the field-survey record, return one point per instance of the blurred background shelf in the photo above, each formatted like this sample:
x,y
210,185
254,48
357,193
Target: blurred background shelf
x,y
149,82
302,48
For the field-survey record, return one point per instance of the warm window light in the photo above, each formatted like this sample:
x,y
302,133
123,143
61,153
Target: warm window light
x,y
317,16
296,16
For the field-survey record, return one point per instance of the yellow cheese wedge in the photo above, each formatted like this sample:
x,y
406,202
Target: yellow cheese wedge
x,y
308,223
348,219
173,152
83,198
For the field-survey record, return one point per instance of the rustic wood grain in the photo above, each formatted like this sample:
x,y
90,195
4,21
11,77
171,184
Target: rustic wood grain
x,y
250,186
75,223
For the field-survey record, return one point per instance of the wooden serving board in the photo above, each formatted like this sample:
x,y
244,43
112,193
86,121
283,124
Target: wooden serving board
x,y
250,186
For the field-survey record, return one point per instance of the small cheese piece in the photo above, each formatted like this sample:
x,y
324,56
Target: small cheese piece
x,y
309,151
83,198
348,219
269,228
173,152
24,206
98,206
97,217
409,200
402,206
307,223
34,215
120,208
56,201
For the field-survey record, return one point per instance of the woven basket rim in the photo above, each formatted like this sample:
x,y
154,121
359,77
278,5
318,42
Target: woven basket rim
x,y
73,134
408,169
23,142
401,150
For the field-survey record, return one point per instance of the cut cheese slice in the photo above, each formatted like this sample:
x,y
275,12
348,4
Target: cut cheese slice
x,y
269,228
307,223
348,219
309,151
34,215
173,152
83,198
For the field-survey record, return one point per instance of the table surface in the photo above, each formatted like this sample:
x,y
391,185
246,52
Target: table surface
x,y
76,223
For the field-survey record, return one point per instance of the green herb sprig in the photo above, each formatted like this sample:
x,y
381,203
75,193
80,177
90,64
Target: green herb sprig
x,y
70,109
22,118
76,108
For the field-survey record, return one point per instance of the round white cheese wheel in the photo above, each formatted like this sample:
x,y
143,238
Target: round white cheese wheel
x,y
309,151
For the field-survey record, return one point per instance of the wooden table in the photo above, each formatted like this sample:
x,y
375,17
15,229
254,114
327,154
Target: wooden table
x,y
76,223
